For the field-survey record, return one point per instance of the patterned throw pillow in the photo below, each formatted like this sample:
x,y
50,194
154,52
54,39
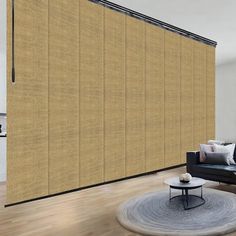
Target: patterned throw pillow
x,y
205,148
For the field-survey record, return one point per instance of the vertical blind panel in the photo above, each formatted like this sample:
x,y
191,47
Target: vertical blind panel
x,y
114,95
210,85
91,93
63,96
27,103
154,98
135,96
186,97
172,99
199,94
99,96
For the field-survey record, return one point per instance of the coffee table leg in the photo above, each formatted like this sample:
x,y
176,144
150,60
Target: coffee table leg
x,y
201,193
186,196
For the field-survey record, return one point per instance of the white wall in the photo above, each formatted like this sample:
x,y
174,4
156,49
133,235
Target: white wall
x,y
3,145
2,56
226,101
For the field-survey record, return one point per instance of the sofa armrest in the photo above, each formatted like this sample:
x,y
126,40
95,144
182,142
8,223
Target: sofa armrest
x,y
192,158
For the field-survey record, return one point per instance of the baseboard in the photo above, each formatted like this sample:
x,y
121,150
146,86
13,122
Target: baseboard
x,y
95,185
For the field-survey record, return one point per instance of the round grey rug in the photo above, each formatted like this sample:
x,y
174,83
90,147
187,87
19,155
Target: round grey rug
x,y
153,214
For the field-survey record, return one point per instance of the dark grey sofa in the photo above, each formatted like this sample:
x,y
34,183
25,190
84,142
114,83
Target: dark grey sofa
x,y
220,173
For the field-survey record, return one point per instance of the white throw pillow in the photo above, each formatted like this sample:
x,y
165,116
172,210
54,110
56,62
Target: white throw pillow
x,y
228,148
205,148
215,142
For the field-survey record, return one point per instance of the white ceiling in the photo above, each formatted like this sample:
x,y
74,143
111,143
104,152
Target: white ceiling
x,y
213,19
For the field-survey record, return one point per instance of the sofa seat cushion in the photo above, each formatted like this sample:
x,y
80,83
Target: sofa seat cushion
x,y
220,170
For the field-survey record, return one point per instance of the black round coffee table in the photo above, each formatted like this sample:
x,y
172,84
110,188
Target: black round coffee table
x,y
190,201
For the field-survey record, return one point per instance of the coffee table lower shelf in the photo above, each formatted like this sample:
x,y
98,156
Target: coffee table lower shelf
x,y
189,200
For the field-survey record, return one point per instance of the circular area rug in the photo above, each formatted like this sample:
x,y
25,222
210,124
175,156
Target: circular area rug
x,y
154,214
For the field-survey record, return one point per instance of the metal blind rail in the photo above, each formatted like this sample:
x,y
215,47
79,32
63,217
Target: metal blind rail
x,y
154,21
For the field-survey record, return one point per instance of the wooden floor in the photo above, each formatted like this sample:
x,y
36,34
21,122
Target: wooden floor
x,y
83,213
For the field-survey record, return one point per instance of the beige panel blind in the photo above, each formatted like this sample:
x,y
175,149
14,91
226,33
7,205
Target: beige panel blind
x,y
103,96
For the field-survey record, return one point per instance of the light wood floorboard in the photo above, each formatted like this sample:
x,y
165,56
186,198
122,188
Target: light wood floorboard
x,y
84,213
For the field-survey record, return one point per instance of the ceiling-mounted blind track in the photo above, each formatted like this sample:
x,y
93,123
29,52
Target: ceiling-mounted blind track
x,y
155,22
